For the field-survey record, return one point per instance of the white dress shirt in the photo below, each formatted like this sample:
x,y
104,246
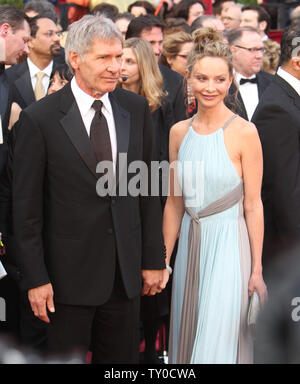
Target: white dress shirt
x,y
84,102
249,94
33,70
292,80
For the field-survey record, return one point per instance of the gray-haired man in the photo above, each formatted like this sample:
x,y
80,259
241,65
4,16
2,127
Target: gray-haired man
x,y
82,256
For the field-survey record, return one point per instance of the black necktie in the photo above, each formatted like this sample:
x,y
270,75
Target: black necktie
x,y
253,80
99,134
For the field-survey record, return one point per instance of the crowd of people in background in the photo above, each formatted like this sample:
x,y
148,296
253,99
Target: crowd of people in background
x,y
208,72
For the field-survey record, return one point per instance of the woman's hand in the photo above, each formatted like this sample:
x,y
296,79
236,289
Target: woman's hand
x,y
256,283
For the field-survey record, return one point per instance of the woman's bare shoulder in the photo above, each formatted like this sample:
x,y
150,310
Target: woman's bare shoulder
x,y
243,128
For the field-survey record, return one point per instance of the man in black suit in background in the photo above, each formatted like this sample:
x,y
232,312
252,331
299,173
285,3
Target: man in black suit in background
x,y
14,37
278,124
29,80
83,256
248,50
150,28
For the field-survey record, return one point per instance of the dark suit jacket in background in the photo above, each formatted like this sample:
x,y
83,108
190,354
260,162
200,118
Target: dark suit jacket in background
x,y
64,232
263,80
278,123
19,80
174,84
5,105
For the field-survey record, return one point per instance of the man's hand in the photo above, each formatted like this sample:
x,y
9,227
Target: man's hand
x,y
40,299
154,282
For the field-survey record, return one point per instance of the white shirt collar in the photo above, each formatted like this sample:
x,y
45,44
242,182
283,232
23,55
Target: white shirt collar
x,y
33,69
238,77
292,80
85,101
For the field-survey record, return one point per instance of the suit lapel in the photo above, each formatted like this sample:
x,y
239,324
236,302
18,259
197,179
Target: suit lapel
x,y
288,89
3,96
240,108
122,124
24,86
74,128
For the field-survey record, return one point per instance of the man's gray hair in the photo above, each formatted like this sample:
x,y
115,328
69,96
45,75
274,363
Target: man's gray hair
x,y
83,33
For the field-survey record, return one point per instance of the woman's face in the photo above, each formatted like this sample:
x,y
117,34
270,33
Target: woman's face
x,y
129,68
210,81
56,83
179,62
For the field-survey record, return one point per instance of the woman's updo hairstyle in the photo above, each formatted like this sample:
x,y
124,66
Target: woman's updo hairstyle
x,y
209,43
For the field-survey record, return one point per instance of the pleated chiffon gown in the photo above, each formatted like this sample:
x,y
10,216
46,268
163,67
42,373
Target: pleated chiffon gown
x,y
213,263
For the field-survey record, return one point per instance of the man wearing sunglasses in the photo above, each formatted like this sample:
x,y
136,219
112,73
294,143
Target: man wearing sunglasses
x,y
248,51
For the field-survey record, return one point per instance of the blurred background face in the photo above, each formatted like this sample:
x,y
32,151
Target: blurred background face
x,y
245,62
231,18
179,62
249,19
138,11
56,83
195,11
47,39
130,68
122,24
214,23
155,38
16,42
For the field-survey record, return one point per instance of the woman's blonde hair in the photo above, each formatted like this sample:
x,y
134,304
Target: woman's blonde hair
x,y
271,56
172,45
209,43
151,79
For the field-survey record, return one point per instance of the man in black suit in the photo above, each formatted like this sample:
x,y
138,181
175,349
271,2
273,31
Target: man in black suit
x,y
29,80
250,82
278,124
14,36
150,28
83,255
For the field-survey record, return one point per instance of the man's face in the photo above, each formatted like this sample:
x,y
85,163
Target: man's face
x,y
246,62
249,18
46,42
15,42
98,71
155,38
231,18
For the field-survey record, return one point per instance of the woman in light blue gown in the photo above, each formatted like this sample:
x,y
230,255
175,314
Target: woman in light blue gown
x,y
218,216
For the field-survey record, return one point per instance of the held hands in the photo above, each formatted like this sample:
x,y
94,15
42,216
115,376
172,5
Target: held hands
x,y
154,281
256,283
41,299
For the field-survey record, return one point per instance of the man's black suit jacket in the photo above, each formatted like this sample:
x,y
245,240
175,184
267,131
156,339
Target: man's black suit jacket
x,y
5,104
278,124
235,101
64,232
174,85
19,80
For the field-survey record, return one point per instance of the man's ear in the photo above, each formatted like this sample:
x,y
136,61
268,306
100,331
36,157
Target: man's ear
x,y
262,25
295,62
4,30
74,59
